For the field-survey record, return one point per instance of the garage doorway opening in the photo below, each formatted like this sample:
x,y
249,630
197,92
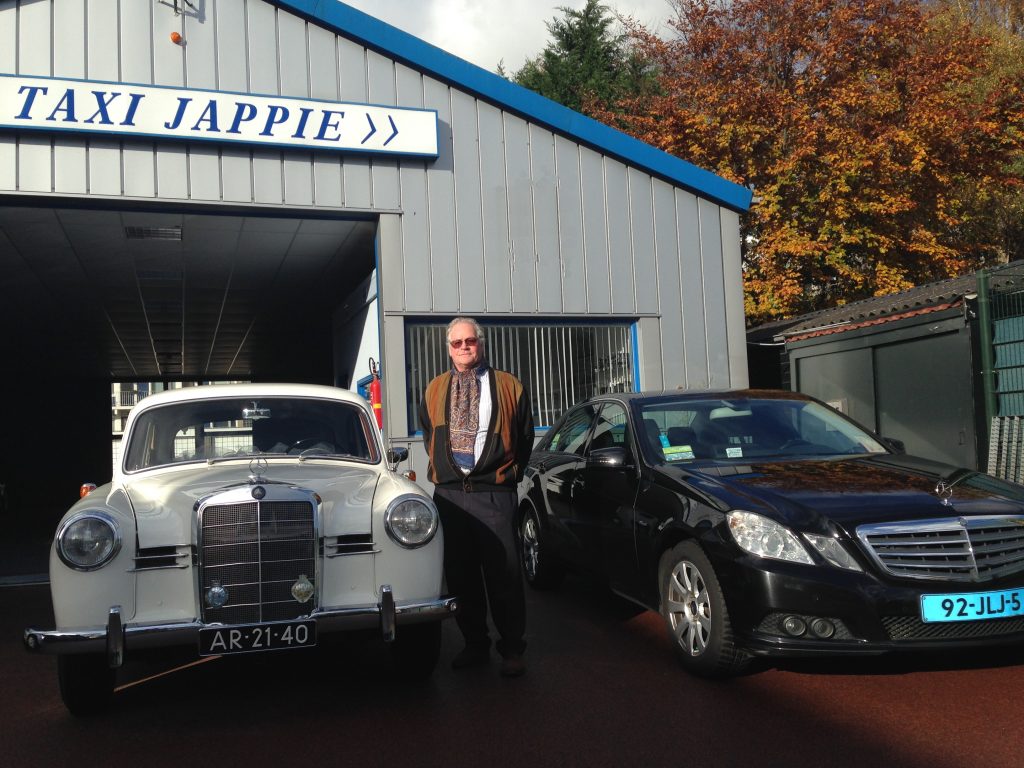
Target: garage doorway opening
x,y
93,294
144,294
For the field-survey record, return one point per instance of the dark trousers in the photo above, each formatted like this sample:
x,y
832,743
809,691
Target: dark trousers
x,y
481,564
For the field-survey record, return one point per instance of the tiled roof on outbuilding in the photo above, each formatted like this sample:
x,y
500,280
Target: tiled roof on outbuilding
x,y
922,299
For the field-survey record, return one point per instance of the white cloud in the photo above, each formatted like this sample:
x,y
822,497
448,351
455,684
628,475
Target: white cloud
x,y
488,31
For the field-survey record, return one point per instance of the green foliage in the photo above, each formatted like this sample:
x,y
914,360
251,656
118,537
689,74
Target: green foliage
x,y
587,61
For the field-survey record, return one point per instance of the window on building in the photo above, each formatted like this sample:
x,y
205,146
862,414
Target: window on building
x,y
559,364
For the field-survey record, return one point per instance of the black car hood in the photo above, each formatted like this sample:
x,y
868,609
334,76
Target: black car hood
x,y
851,491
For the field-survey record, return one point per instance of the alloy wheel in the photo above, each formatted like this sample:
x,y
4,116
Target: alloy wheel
x,y
689,608
531,546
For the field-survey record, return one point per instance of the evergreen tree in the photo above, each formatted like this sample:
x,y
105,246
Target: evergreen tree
x,y
588,61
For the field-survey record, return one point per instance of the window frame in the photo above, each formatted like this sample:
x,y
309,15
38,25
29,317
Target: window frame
x,y
561,362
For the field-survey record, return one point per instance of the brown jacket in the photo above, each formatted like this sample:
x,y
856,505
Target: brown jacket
x,y
509,435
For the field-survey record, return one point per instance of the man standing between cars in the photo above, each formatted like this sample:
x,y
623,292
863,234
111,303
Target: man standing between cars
x,y
478,430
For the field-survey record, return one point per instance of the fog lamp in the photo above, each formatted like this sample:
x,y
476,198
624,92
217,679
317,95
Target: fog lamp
x,y
794,625
823,628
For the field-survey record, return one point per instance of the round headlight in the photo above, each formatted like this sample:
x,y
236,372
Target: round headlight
x,y
411,521
88,541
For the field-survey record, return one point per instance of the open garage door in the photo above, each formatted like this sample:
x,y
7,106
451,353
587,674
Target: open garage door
x,y
91,296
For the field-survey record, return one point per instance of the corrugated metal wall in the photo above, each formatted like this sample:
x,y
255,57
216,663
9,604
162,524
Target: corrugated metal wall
x,y
510,220
244,46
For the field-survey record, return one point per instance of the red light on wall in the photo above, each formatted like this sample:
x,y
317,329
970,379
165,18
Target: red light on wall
x,y
176,38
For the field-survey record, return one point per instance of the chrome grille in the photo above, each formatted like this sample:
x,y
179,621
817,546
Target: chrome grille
x,y
975,549
257,550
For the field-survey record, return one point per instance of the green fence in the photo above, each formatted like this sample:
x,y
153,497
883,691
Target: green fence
x,y
1004,289
1001,348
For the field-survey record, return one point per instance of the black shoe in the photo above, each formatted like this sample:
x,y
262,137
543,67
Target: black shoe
x,y
513,666
471,657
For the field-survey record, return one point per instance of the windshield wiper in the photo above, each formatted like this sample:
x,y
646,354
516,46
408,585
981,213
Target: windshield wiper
x,y
245,457
320,453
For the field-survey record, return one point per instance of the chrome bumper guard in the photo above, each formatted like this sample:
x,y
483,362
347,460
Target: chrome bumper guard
x,y
116,638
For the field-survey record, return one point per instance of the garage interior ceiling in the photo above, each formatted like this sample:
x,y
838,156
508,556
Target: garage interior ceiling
x,y
149,295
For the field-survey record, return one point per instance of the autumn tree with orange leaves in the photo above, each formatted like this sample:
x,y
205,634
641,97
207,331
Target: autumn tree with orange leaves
x,y
867,131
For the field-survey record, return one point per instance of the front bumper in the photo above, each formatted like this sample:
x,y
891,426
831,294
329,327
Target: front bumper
x,y
115,638
871,615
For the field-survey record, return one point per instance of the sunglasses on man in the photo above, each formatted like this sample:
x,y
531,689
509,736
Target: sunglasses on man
x,y
470,341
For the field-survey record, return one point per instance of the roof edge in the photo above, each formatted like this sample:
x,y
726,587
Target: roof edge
x,y
856,325
419,54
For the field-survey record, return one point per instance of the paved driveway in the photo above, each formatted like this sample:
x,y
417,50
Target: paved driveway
x,y
601,690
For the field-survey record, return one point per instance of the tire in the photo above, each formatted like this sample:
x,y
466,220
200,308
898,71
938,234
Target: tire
x,y
540,570
696,615
416,649
86,683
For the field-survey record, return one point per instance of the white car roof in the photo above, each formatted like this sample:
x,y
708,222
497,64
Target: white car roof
x,y
255,391
247,391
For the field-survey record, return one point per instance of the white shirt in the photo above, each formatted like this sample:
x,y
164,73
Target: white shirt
x,y
484,419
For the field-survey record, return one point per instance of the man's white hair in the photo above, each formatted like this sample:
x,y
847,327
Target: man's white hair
x,y
477,328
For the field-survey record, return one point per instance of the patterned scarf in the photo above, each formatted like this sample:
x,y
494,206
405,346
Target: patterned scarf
x,y
464,418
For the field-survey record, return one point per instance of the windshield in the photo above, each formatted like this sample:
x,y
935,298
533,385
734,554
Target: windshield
x,y
767,428
210,430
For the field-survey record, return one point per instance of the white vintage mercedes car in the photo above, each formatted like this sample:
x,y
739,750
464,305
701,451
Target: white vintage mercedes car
x,y
244,518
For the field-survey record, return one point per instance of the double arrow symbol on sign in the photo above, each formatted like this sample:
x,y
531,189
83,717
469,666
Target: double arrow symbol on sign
x,y
373,130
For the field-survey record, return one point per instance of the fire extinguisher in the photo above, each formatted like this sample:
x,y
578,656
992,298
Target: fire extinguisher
x,y
375,394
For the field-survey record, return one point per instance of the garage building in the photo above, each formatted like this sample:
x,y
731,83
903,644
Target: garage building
x,y
197,190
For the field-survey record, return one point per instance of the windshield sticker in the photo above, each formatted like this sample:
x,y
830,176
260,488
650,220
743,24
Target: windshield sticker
x,y
678,452
734,453
664,441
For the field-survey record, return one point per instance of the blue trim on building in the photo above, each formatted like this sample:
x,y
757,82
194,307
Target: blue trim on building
x,y
424,57
635,334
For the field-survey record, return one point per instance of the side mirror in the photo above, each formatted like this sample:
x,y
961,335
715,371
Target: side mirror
x,y
609,458
397,455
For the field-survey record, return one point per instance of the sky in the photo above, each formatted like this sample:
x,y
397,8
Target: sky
x,y
486,32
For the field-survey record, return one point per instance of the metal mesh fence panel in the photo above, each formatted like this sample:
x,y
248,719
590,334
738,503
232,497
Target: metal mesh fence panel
x,y
558,364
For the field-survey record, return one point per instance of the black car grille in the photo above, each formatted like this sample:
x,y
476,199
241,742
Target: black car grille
x,y
912,628
954,549
256,551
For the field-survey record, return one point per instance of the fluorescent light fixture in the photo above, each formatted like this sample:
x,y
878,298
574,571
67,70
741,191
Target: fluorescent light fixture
x,y
153,233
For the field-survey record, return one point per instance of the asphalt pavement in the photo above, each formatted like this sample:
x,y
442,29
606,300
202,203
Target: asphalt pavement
x,y
602,689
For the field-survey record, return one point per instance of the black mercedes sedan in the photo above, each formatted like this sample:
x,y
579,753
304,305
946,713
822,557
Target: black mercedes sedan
x,y
764,523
